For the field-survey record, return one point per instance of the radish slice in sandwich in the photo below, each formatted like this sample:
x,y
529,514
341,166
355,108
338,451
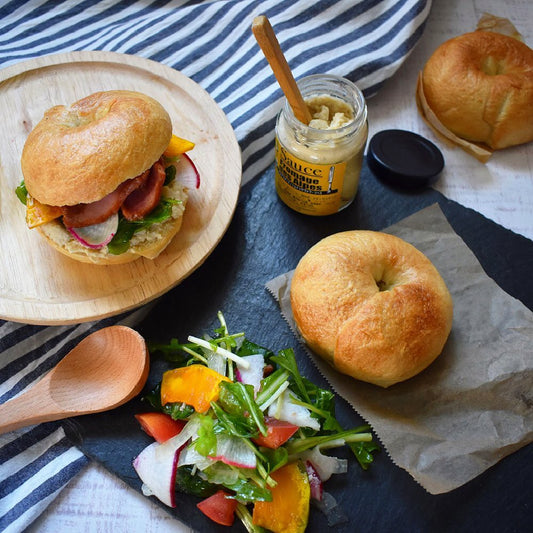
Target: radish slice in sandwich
x,y
187,173
96,235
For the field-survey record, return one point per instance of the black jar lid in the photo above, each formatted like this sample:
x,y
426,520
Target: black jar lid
x,y
404,159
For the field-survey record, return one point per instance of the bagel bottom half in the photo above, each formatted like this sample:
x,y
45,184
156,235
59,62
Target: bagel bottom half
x,y
148,242
372,305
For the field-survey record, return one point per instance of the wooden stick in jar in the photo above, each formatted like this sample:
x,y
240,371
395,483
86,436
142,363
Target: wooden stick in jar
x,y
266,38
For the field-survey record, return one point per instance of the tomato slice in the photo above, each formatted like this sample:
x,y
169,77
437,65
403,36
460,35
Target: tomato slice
x,y
219,508
278,433
159,425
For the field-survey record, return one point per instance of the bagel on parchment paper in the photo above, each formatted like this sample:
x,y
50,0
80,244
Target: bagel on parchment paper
x,y
84,163
372,305
479,86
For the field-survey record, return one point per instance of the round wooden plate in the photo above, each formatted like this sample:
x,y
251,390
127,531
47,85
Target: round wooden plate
x,y
38,285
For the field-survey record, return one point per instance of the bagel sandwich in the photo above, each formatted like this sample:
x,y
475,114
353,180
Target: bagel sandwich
x,y
105,181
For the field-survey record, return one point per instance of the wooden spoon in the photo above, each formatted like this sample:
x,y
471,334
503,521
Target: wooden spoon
x,y
105,370
266,38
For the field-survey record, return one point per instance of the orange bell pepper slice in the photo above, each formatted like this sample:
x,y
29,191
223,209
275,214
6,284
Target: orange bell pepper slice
x,y
38,213
195,385
288,512
177,146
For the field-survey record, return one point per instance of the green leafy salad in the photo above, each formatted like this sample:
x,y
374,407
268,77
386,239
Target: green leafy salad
x,y
241,428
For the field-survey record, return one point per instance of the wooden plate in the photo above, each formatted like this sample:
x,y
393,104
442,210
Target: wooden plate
x,y
38,285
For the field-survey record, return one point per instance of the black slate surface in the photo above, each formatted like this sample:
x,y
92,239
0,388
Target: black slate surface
x,y
266,239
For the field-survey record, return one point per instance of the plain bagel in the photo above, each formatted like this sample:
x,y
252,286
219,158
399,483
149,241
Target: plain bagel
x,y
372,305
480,87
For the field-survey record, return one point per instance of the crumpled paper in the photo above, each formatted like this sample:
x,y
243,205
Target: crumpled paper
x,y
472,406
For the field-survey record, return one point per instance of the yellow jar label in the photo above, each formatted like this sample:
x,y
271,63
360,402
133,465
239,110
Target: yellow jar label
x,y
309,188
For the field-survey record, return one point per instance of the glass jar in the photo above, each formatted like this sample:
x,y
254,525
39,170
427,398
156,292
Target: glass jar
x,y
317,170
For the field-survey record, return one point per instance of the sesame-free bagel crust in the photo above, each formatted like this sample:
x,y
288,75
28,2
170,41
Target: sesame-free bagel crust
x,y
480,87
372,305
81,153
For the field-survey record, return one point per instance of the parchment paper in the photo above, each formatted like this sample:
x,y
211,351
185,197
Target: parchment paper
x,y
474,404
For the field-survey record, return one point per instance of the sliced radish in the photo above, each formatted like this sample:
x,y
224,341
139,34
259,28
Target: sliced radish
x,y
215,361
187,173
234,451
325,465
190,456
254,373
96,235
315,483
285,409
156,466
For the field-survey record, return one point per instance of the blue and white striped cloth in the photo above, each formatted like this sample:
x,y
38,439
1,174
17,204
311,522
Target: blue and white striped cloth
x,y
211,42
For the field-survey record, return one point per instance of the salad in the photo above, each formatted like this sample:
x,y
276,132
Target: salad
x,y
238,426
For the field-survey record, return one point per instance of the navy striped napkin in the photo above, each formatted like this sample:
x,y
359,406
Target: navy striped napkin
x,y
211,42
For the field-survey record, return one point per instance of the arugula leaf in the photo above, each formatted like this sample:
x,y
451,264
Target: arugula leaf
x,y
235,423
271,384
351,435
244,395
363,452
176,410
170,174
274,458
249,492
191,483
120,242
22,192
172,351
287,360
238,411
206,443
250,348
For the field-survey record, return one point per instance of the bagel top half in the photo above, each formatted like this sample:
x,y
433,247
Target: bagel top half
x,y
81,153
372,305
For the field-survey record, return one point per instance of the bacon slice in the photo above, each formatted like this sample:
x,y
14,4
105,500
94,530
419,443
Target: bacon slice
x,y
144,199
81,215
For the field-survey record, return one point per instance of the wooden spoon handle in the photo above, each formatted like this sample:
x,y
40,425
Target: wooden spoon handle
x,y
22,411
266,38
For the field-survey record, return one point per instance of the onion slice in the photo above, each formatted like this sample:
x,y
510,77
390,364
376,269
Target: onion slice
x,y
97,235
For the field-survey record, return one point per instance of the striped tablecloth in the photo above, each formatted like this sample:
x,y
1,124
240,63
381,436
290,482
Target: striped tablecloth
x,y
210,42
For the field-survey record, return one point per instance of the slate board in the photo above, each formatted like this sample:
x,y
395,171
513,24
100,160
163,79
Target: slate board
x,y
266,239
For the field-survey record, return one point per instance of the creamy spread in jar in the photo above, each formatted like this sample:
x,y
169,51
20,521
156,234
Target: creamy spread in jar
x,y
318,165
328,113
